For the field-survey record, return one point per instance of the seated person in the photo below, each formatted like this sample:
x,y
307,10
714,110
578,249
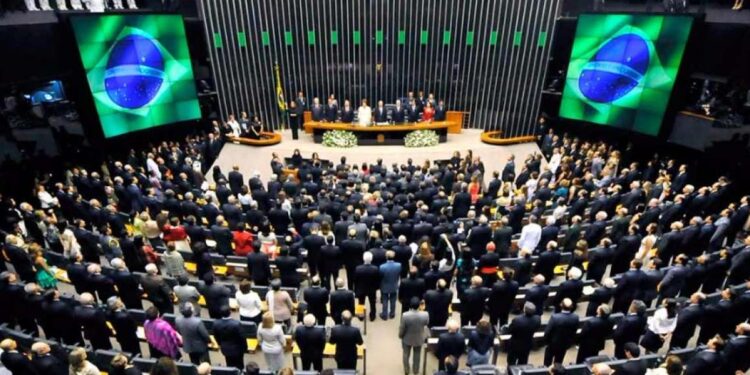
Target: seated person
x,y
347,113
255,128
398,114
380,113
440,112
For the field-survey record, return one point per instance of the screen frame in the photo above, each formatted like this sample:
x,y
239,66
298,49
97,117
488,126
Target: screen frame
x,y
670,109
93,124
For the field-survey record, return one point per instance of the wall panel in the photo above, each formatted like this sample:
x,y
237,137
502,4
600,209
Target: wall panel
x,y
481,56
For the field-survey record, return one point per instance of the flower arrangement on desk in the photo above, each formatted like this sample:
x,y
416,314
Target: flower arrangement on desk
x,y
339,139
422,138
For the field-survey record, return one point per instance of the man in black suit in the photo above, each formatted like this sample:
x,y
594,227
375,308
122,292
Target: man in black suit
x,y
437,302
59,316
462,202
21,262
538,293
341,299
560,333
630,328
412,112
79,275
687,320
595,331
159,293
216,296
316,298
228,334
127,285
352,250
221,233
629,287
571,288
236,180
311,340
521,331
366,282
674,279
440,111
597,229
103,285
736,349
547,262
549,233
380,115
124,325
502,237
346,338
15,362
259,267
708,361
45,363
287,265
601,295
451,343
332,110
478,237
502,295
398,114
94,323
473,301
410,287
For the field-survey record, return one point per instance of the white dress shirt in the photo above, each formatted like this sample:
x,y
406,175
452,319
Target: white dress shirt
x,y
531,234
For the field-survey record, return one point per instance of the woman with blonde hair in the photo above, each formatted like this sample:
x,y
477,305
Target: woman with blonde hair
x,y
79,365
71,248
475,188
272,342
120,365
44,276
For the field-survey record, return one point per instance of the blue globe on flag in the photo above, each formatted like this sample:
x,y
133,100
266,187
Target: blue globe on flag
x,y
135,71
616,68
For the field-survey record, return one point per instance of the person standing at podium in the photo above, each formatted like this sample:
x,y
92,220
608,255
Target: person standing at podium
x,y
347,113
364,114
413,112
440,111
318,112
381,115
428,113
332,110
397,114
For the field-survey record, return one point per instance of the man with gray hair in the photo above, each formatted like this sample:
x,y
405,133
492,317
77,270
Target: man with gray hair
x,y
571,288
521,331
367,282
44,362
560,333
311,341
538,294
594,333
157,289
103,285
195,338
127,285
451,343
94,322
602,369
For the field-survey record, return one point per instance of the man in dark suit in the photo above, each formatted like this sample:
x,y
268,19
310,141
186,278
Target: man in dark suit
x,y
571,288
501,297
473,301
124,326
549,233
633,366
216,296
223,237
352,250
630,328
332,110
674,279
103,285
687,320
412,112
560,333
366,283
311,340
437,302
538,293
502,237
21,262
45,363
451,343
195,338
58,316
380,115
478,237
228,334
346,338
595,331
629,287
94,323
79,275
316,298
597,229
259,267
440,111
127,285
547,262
15,362
412,286
601,295
736,349
236,180
462,202
341,299
398,113
708,361
159,293
521,331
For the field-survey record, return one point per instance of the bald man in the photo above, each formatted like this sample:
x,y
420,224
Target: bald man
x,y
560,333
17,363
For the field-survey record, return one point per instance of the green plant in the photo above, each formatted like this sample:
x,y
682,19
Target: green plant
x,y
339,139
422,138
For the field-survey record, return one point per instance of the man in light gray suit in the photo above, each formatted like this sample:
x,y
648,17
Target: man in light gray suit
x,y
195,337
187,293
413,332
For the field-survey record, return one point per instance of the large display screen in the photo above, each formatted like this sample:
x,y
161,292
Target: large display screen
x,y
138,68
623,68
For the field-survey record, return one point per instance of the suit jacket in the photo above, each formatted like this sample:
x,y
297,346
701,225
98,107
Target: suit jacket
x,y
390,275
501,297
157,289
398,114
366,279
561,329
410,288
195,337
413,327
546,264
735,354
629,329
380,114
450,344
629,286
17,363
522,330
49,365
310,340
572,289
346,338
478,238
473,300
437,302
216,296
595,332
316,298
537,295
103,285
259,266
21,262
341,299
228,335
79,277
673,281
707,362
461,205
632,367
94,324
502,238
128,288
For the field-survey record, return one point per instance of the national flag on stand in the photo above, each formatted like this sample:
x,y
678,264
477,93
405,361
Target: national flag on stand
x,y
280,95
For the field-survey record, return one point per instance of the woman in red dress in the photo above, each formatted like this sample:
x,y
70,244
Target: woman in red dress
x,y
428,113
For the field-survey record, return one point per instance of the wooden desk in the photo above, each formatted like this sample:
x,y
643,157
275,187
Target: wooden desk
x,y
378,134
455,117
267,139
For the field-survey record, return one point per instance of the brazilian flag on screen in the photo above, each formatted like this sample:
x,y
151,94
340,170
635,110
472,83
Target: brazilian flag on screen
x,y
623,68
139,70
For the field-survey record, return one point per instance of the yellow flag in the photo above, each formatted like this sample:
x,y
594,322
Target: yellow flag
x,y
279,90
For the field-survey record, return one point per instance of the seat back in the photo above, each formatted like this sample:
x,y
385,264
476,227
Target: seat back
x,y
144,364
186,368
